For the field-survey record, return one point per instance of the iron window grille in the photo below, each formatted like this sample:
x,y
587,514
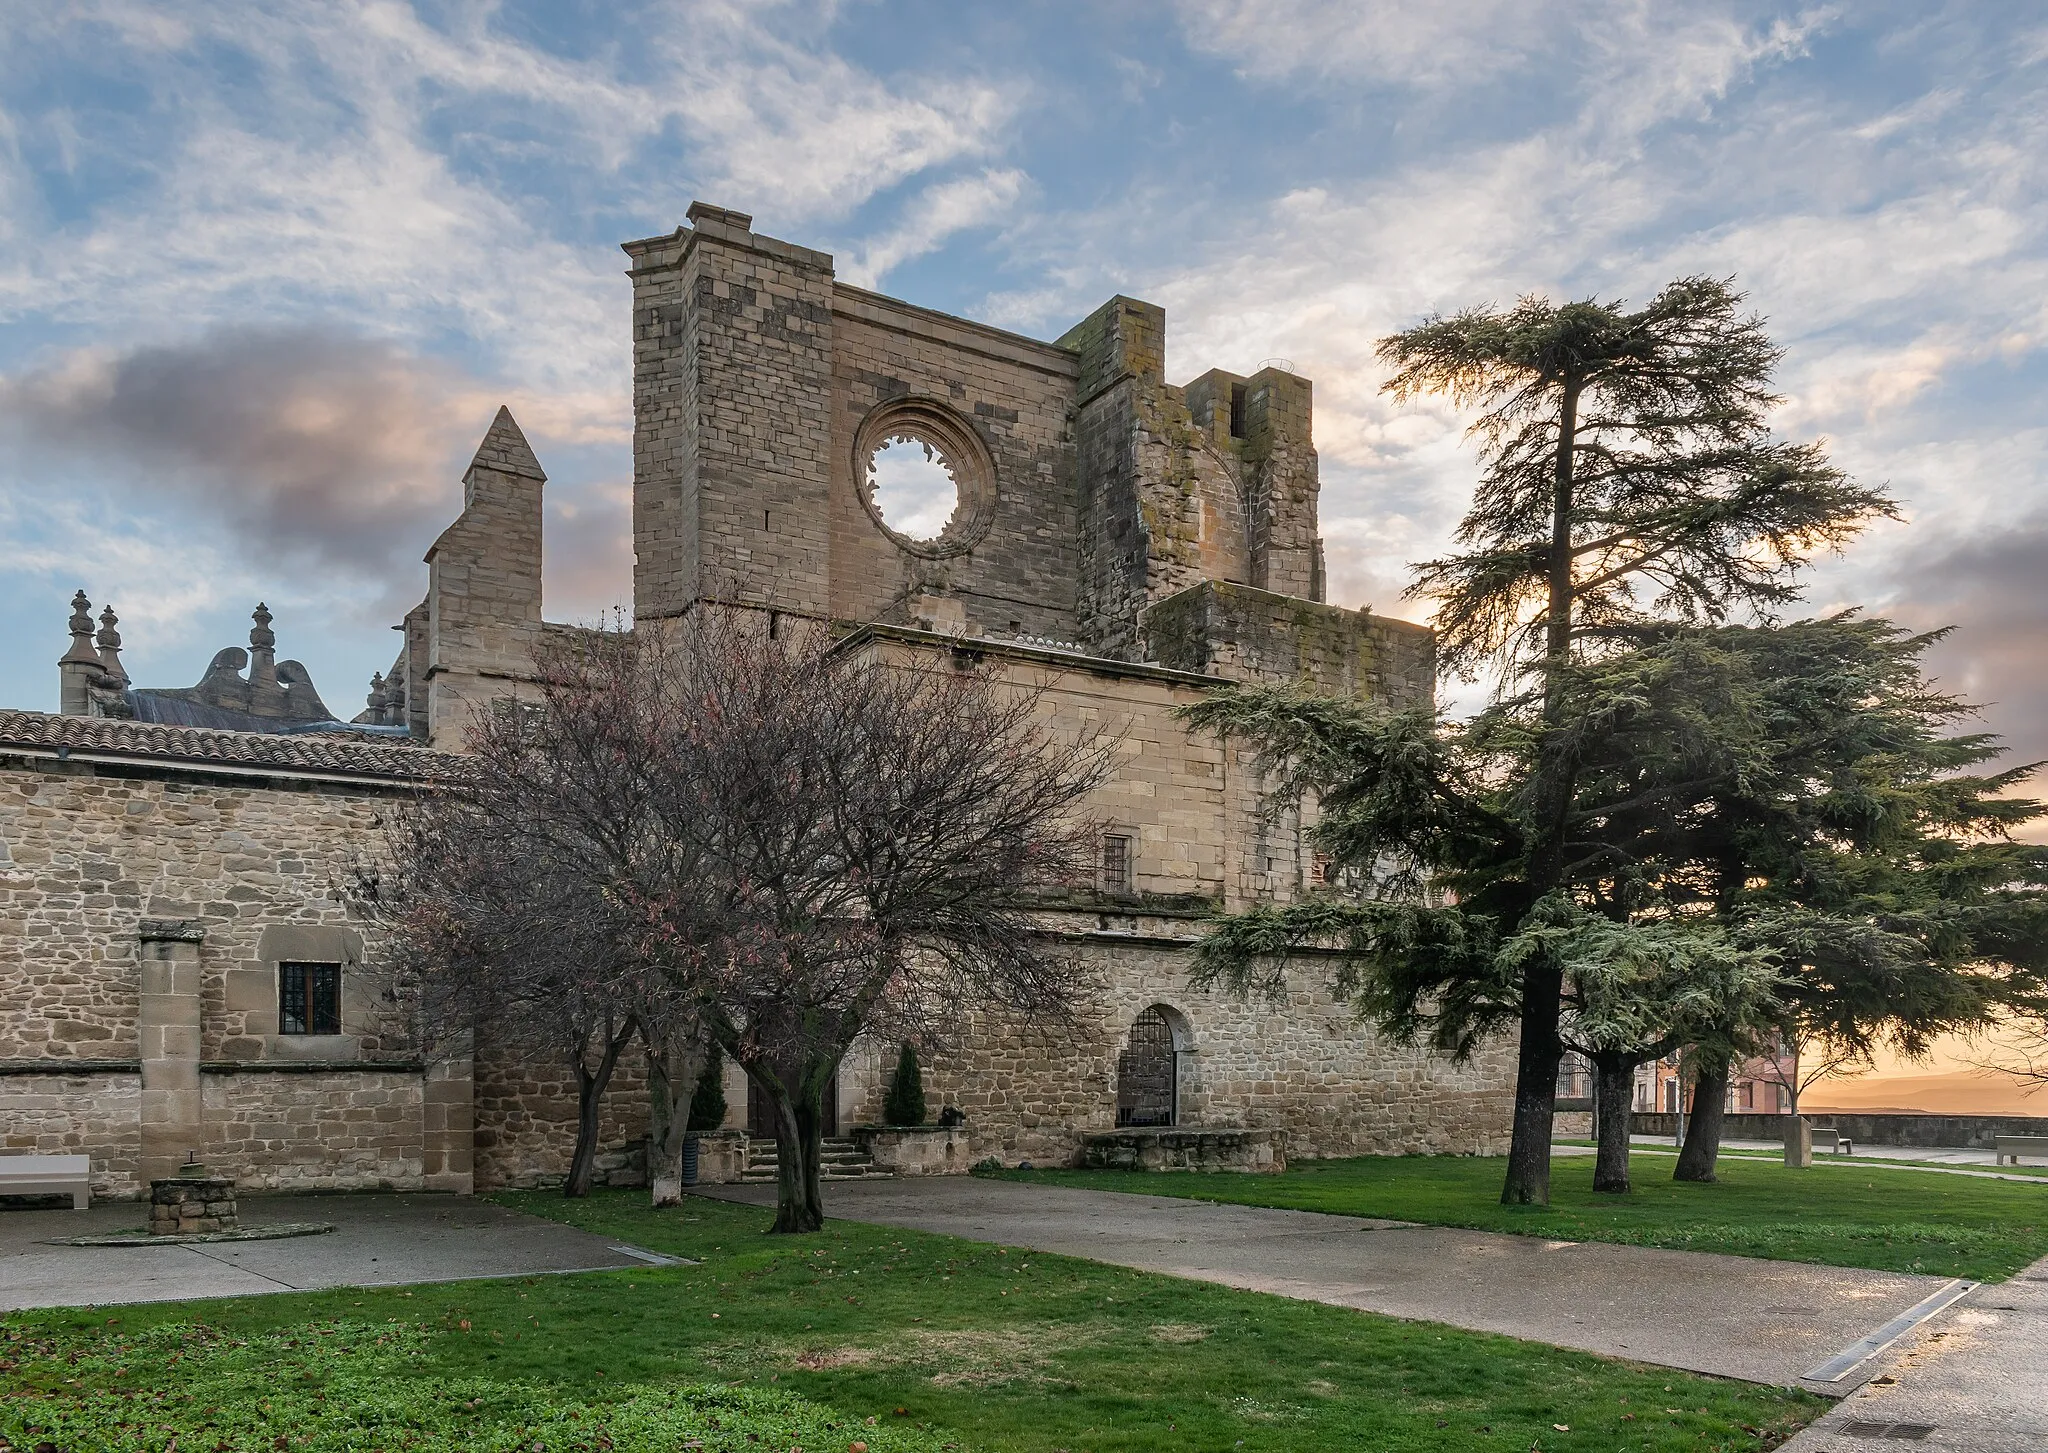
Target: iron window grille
x,y
1116,863
309,998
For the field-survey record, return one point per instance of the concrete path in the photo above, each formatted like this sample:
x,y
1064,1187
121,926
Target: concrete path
x,y
1732,1316
379,1240
1973,1381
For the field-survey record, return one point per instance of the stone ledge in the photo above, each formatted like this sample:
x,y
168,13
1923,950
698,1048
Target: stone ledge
x,y
311,1066
1186,1147
70,1066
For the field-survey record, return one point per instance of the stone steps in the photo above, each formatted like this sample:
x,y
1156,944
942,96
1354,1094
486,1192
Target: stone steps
x,y
839,1159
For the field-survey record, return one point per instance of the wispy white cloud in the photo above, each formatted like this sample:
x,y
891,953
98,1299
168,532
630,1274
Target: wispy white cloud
x,y
932,216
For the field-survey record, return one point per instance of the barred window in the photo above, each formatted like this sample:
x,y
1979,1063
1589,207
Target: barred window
x,y
309,998
1116,863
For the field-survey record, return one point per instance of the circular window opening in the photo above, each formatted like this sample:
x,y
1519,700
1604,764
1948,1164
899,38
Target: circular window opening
x,y
914,486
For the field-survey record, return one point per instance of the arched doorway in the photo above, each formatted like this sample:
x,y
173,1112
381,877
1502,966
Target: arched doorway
x,y
1148,1069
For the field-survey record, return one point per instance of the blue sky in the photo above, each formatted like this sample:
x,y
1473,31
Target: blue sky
x,y
267,269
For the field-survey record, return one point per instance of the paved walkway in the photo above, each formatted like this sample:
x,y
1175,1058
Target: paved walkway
x,y
1972,1381
379,1240
1732,1316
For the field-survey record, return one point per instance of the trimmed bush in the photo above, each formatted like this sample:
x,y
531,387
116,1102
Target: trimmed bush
x,y
904,1104
707,1101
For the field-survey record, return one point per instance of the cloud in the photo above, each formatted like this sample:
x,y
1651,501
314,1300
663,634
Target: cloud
x,y
285,160
931,217
301,444
1991,588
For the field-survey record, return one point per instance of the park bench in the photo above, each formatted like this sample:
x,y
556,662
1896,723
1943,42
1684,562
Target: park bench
x,y
1826,1137
48,1175
2015,1146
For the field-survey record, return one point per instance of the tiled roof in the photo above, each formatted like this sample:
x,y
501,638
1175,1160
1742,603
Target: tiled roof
x,y
320,754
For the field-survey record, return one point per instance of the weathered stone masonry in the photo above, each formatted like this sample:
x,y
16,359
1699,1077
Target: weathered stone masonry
x,y
1119,544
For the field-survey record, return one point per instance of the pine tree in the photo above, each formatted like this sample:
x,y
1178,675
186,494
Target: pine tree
x,y
904,1102
1630,476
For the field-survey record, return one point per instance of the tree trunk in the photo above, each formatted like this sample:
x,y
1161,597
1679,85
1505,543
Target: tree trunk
x,y
674,1063
1528,1178
1613,1105
799,1188
590,1088
1703,1133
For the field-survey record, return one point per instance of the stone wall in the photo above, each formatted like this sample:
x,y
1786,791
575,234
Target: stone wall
x,y
1243,634
144,912
1931,1131
349,1130
526,1121
1012,562
1306,1066
96,1115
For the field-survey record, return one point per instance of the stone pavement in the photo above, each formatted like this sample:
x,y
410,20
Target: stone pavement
x,y
1972,1381
379,1240
1732,1316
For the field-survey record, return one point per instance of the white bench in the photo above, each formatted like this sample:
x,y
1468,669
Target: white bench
x,y
2014,1146
48,1175
1826,1137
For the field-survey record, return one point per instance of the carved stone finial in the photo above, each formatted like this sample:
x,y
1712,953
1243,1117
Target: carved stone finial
x,y
81,652
376,701
110,645
261,636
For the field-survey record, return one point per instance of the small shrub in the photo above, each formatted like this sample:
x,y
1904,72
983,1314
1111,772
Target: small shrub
x,y
904,1104
707,1101
988,1165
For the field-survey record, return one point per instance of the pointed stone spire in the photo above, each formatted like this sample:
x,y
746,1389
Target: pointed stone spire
x,y
110,646
505,450
81,651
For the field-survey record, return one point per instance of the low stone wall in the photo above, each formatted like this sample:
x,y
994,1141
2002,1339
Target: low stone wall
x,y
1957,1132
91,1114
1262,1152
915,1150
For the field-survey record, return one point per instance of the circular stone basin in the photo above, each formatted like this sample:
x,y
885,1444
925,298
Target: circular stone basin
x,y
149,1238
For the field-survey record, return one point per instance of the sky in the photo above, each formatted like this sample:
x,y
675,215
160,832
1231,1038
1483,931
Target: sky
x,y
268,268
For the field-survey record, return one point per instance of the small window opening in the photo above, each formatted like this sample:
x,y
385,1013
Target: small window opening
x,y
774,624
309,998
1116,862
1237,411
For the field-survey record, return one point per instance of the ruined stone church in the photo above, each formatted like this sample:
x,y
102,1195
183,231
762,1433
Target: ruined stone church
x,y
180,972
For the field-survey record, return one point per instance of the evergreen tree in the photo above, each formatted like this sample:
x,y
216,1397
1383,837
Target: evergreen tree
x,y
707,1101
904,1103
1629,476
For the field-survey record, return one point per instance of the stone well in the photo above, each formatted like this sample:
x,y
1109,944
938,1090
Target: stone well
x,y
192,1204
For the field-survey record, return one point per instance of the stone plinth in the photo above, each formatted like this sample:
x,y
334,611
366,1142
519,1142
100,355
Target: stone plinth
x,y
915,1150
192,1205
1184,1147
721,1156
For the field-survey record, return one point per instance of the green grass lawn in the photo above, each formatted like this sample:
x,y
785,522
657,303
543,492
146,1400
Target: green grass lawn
x,y
909,1343
1890,1220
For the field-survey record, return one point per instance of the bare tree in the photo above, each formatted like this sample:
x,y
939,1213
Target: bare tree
x,y
1802,1063
507,928
864,839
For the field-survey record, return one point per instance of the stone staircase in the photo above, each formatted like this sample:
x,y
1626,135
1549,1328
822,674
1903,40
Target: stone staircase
x,y
839,1159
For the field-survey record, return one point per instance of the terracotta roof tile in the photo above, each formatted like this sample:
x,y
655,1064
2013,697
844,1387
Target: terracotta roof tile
x,y
327,754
